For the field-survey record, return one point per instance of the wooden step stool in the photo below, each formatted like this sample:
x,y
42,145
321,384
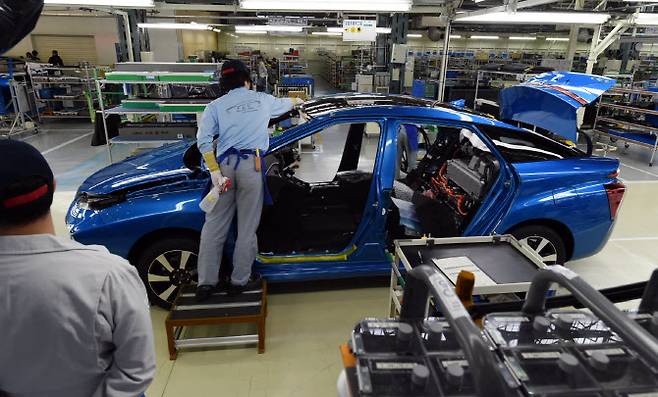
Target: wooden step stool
x,y
248,307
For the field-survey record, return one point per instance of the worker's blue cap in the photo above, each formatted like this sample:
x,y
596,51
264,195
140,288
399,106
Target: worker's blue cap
x,y
27,184
233,68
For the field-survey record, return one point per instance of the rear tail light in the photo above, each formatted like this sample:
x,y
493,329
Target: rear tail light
x,y
615,193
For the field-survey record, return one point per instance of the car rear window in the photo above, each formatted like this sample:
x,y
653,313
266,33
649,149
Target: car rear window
x,y
527,146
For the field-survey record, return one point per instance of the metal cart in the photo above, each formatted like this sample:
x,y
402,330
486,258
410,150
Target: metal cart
x,y
502,266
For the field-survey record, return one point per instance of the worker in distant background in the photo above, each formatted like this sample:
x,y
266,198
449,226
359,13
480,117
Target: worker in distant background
x,y
74,319
240,121
262,75
55,59
35,56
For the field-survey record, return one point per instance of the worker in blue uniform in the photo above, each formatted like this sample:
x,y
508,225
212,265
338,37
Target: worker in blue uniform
x,y
240,120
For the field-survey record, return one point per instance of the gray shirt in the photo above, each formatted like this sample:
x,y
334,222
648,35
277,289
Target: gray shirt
x,y
74,321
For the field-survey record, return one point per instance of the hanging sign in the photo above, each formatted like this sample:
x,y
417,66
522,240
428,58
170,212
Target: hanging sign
x,y
359,30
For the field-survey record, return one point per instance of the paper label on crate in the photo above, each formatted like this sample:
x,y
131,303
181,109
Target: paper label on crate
x,y
608,352
447,363
569,274
540,355
451,267
388,324
395,365
449,298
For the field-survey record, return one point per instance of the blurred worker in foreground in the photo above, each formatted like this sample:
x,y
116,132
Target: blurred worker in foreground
x,y
240,120
75,319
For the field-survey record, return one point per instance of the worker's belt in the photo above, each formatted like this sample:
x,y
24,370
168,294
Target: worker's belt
x,y
243,154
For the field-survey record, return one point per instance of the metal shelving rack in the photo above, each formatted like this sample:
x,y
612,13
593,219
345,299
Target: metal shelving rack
x,y
615,128
78,83
19,121
121,110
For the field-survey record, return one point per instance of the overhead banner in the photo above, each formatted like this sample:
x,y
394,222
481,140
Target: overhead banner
x,y
359,30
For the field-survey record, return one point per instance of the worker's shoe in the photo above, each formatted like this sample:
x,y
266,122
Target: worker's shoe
x,y
254,283
204,292
223,284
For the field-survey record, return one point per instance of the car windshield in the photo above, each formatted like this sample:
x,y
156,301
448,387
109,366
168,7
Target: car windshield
x,y
528,146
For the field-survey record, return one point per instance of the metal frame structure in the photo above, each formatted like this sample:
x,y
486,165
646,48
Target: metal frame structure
x,y
642,128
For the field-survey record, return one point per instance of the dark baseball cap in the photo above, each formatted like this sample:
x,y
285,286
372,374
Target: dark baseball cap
x,y
233,68
27,184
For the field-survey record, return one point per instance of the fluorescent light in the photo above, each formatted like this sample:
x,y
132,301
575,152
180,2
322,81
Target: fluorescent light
x,y
105,3
557,39
335,30
455,36
248,32
268,28
334,5
541,18
326,34
523,38
414,35
383,30
181,26
216,30
485,37
644,18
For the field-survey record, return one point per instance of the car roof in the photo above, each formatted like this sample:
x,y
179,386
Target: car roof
x,y
346,105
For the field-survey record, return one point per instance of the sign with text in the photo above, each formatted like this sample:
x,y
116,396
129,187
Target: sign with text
x,y
359,30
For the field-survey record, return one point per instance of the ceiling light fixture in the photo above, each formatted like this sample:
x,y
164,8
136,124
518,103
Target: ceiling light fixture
x,y
323,5
104,3
326,34
415,35
523,38
249,32
485,37
539,18
268,28
384,30
644,18
557,39
174,26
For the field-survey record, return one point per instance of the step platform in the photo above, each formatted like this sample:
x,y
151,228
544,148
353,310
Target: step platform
x,y
220,309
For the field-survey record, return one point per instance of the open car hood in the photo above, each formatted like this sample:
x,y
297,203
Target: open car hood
x,y
550,100
152,167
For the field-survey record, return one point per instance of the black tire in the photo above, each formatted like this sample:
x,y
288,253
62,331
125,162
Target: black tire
x,y
545,241
165,266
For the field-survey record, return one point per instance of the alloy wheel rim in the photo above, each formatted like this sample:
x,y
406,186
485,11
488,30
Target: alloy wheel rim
x,y
171,270
543,247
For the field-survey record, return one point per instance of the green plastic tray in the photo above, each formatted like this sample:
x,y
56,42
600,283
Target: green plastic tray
x,y
194,108
132,104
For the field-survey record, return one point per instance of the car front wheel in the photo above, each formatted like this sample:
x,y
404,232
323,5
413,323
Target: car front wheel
x,y
165,266
544,241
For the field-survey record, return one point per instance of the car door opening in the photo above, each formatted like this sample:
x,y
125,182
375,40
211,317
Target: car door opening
x,y
441,195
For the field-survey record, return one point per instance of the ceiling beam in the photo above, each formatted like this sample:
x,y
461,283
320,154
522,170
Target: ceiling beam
x,y
505,8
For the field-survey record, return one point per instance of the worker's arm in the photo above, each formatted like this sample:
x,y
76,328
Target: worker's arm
x,y
124,314
208,128
279,106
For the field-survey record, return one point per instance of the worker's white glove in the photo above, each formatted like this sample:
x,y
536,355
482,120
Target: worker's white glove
x,y
297,102
219,181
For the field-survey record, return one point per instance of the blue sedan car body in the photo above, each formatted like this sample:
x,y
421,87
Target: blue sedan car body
x,y
135,205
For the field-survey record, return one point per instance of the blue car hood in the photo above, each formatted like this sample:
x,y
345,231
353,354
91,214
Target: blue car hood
x,y
550,100
155,166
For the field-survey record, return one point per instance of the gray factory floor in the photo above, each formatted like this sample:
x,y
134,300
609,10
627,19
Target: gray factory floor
x,y
306,328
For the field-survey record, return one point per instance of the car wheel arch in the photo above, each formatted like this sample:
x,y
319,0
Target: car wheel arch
x,y
559,227
156,235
